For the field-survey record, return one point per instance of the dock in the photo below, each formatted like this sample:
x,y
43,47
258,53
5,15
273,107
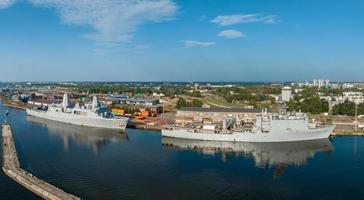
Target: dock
x,y
11,168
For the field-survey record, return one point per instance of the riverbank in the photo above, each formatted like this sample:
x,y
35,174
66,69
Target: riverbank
x,y
144,126
347,130
347,133
17,106
152,123
155,124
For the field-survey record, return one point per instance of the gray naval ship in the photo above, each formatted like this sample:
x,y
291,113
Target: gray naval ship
x,y
91,114
266,127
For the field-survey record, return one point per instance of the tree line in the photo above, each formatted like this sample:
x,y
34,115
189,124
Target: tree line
x,y
313,105
308,101
243,94
348,108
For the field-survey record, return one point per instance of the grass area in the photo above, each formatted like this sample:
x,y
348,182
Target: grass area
x,y
215,101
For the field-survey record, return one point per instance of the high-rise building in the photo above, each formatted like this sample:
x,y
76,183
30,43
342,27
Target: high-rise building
x,y
286,94
327,83
315,83
320,83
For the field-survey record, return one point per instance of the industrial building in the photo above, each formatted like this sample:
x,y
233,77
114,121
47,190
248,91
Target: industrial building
x,y
150,105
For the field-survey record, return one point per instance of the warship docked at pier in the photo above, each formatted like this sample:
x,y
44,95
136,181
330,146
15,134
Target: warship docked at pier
x,y
90,114
265,127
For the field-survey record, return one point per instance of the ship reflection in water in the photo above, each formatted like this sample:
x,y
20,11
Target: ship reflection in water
x,y
94,138
277,154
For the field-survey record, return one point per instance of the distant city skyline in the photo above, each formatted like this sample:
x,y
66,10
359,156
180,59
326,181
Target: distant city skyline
x,y
181,40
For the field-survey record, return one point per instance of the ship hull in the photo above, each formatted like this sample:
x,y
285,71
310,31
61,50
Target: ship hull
x,y
312,134
111,123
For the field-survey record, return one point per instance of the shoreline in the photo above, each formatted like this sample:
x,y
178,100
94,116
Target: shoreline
x,y
143,126
21,107
346,134
131,124
339,132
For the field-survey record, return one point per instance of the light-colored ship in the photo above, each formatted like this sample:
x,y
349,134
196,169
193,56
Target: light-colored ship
x,y
266,127
92,115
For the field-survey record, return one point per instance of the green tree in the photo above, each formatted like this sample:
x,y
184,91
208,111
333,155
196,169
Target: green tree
x,y
196,103
181,103
346,108
310,104
361,109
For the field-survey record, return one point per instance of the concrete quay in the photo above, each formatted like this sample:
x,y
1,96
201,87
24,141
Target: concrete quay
x,y
11,168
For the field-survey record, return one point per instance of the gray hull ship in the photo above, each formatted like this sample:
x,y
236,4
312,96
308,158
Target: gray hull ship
x,y
266,127
92,115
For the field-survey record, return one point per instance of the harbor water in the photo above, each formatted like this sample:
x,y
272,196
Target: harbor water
x,y
105,164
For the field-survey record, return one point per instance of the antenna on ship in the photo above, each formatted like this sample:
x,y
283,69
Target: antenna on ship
x,y
261,121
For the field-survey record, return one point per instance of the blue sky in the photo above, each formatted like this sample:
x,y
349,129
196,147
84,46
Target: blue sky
x,y
182,40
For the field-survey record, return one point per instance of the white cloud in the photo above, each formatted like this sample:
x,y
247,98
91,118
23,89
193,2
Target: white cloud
x,y
114,21
226,20
194,43
141,47
231,34
102,51
6,3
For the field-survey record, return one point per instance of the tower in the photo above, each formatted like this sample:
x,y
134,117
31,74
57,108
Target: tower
x,y
66,101
286,94
95,102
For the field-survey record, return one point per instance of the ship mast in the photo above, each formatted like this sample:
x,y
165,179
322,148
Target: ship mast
x,y
261,121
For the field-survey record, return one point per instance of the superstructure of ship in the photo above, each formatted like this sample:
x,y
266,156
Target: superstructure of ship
x,y
91,114
266,127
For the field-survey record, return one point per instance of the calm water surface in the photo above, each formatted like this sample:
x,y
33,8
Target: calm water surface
x,y
104,164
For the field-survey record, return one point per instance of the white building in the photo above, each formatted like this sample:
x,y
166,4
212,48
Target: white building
x,y
348,85
298,90
315,83
320,83
158,95
327,83
354,97
286,94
